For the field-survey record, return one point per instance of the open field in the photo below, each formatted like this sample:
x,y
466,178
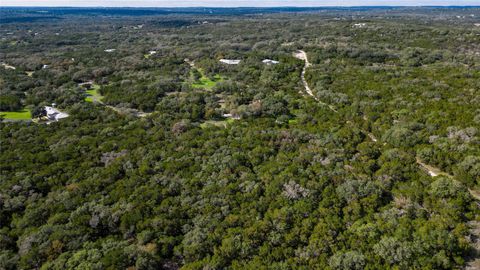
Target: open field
x,y
20,115
93,95
205,82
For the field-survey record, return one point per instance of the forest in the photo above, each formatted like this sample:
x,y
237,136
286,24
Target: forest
x,y
199,139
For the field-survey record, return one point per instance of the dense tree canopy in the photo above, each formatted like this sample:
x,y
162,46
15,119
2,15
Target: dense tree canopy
x,y
182,161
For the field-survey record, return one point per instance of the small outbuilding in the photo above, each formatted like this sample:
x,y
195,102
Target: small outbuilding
x,y
270,62
359,25
230,61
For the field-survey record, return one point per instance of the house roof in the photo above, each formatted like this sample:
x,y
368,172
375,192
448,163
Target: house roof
x,y
230,61
270,61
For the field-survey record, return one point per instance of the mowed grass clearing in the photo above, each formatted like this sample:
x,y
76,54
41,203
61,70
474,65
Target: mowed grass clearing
x,y
93,94
205,82
19,115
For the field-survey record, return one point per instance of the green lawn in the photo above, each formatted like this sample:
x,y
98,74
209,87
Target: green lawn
x,y
293,121
20,115
93,94
205,82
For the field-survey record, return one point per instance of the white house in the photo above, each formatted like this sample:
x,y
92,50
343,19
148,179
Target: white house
x,y
54,114
270,62
230,61
109,50
359,25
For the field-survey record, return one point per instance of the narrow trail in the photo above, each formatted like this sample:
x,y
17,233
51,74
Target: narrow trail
x,y
432,171
7,66
472,263
302,55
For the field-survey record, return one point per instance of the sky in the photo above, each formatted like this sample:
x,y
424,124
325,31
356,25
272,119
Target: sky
x,y
234,3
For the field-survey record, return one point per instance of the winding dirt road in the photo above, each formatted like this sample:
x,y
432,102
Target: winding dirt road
x,y
302,55
473,263
474,226
432,171
7,66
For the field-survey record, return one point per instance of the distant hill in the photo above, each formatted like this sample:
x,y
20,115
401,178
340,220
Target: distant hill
x,y
28,14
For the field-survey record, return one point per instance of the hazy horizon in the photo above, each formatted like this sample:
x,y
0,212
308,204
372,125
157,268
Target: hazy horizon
x,y
230,4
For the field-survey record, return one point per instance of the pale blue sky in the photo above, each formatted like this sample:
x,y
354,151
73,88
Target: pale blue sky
x,y
234,3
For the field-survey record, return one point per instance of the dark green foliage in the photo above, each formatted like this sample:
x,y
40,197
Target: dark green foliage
x,y
38,112
10,103
290,185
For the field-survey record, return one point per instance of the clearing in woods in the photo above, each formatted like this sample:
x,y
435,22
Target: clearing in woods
x,y
93,95
24,114
204,82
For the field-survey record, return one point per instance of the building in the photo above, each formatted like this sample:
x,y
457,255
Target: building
x,y
359,25
54,114
230,61
270,62
87,85
233,116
